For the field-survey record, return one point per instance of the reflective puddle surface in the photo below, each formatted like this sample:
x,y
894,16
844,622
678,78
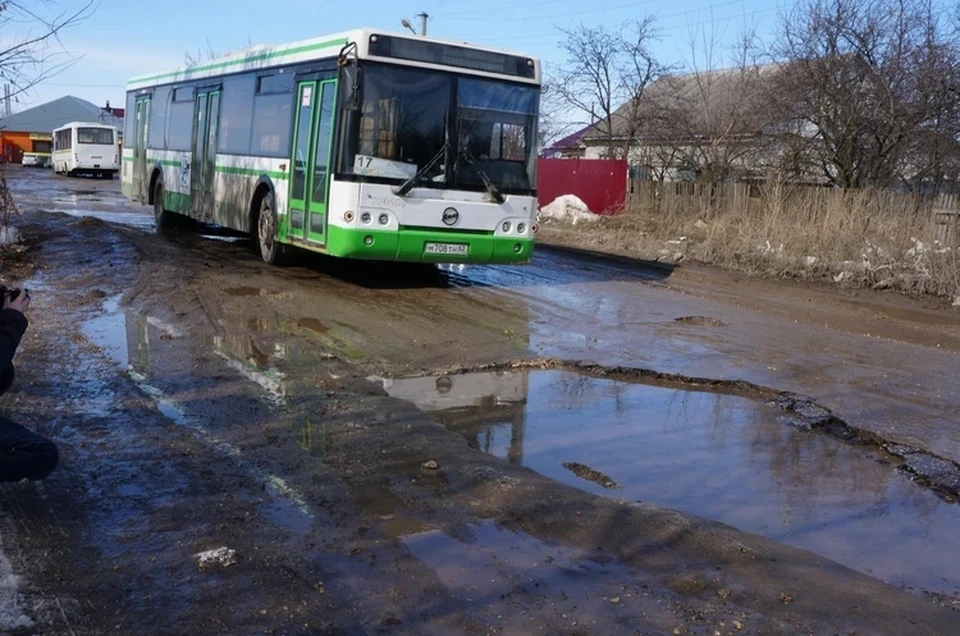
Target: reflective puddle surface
x,y
720,457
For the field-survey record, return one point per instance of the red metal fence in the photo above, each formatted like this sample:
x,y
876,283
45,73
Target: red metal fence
x,y
600,183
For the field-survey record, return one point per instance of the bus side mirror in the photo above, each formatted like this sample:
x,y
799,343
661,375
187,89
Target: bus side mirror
x,y
350,77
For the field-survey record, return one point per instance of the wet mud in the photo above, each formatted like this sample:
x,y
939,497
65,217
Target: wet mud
x,y
204,401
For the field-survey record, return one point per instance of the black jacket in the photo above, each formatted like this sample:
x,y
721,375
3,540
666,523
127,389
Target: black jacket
x,y
12,326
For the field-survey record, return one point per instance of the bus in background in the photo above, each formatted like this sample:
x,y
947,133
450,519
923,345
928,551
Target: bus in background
x,y
86,148
364,145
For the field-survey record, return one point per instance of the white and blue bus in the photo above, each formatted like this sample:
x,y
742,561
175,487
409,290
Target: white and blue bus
x,y
363,144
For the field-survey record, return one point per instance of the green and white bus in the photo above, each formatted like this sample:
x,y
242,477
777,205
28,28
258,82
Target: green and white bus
x,y
363,144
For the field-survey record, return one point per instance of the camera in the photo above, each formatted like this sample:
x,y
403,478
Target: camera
x,y
4,290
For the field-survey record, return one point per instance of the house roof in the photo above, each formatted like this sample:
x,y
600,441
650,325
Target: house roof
x,y
47,117
570,141
729,101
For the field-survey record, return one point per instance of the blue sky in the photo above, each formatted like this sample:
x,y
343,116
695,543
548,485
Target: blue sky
x,y
118,41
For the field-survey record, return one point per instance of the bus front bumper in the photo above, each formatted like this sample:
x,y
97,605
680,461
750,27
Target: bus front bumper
x,y
424,246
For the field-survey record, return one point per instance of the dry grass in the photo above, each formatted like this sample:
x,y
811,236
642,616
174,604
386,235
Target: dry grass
x,y
859,238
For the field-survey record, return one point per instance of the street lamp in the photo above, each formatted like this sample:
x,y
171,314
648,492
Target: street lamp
x,y
423,24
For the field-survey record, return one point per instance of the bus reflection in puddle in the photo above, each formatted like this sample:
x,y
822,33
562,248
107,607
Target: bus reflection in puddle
x,y
476,405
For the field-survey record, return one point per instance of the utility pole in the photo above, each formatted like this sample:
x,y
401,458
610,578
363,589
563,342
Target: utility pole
x,y
423,22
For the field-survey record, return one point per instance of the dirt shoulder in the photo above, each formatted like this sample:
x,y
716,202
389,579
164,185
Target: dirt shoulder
x,y
918,319
323,486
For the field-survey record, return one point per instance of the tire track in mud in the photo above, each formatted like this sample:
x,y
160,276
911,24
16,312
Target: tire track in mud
x,y
938,474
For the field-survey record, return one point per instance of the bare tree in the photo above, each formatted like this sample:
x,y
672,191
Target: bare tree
x,y
865,81
190,59
551,125
209,53
730,112
605,75
710,122
31,51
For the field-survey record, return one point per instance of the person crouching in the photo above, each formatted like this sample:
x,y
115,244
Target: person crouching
x,y
23,453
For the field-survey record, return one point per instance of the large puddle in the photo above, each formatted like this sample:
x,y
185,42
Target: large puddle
x,y
717,456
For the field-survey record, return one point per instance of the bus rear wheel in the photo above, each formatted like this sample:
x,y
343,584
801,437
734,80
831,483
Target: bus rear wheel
x,y
271,250
164,217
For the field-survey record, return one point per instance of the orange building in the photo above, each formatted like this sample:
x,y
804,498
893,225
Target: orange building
x,y
31,130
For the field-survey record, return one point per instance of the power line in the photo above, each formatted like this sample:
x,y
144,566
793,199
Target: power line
x,y
83,85
628,5
554,34
504,7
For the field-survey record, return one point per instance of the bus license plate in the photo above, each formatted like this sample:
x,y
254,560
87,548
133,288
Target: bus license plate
x,y
453,249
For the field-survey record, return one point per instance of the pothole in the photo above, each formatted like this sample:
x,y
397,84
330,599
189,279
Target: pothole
x,y
700,321
733,457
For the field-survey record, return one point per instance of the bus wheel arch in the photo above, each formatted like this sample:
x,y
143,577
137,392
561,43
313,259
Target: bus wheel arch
x,y
264,188
155,175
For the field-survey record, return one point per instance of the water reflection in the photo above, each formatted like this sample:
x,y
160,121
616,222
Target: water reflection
x,y
239,346
481,403
721,457
139,341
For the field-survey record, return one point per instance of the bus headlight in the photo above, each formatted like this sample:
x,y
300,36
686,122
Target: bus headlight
x,y
348,216
521,228
365,218
506,226
384,219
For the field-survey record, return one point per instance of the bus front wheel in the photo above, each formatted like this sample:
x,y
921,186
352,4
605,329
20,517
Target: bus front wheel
x,y
271,250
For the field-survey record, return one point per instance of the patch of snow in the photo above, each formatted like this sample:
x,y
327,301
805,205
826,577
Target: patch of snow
x,y
12,615
8,235
809,261
768,248
222,557
569,208
956,301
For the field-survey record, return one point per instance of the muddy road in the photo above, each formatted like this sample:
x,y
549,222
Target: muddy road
x,y
579,446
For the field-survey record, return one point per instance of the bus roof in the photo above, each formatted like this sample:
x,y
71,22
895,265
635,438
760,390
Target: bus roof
x,y
85,124
258,57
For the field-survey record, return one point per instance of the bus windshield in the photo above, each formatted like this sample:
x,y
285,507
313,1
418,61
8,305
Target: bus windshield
x,y
98,136
483,128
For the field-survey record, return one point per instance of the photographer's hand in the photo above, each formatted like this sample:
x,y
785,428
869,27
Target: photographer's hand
x,y
21,303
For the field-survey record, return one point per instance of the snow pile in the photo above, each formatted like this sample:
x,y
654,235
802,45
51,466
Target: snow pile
x,y
569,208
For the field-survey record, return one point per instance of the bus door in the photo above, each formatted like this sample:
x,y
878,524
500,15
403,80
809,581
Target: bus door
x,y
141,131
311,160
206,122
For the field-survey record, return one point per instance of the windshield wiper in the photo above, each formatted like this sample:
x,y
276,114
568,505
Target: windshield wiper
x,y
487,181
407,185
